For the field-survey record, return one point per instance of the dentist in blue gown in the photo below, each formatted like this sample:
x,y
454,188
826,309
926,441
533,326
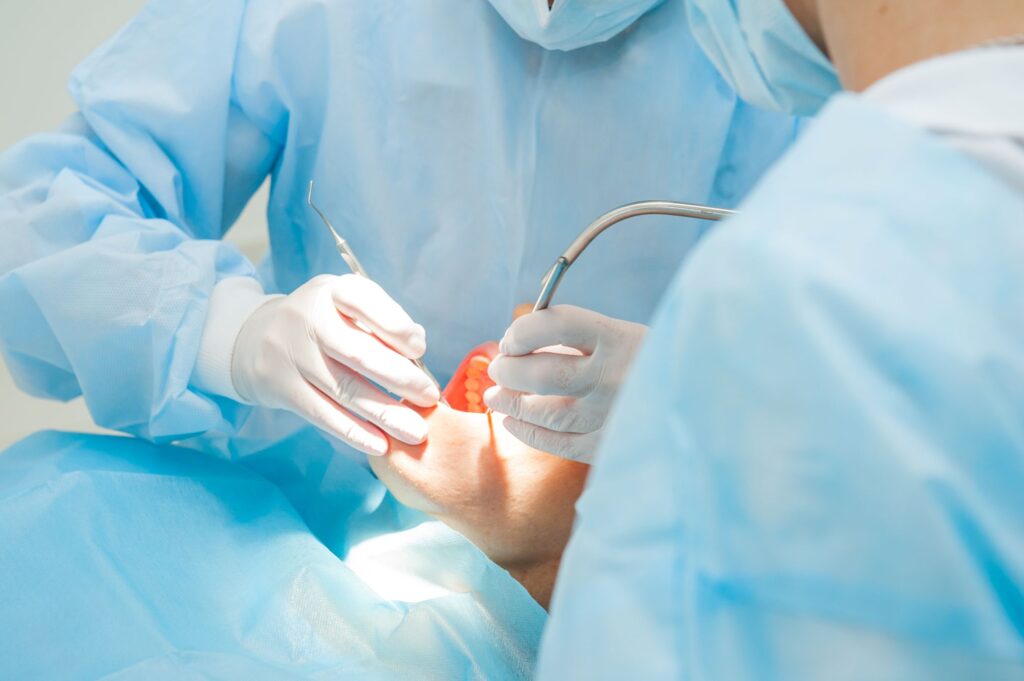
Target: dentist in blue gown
x,y
458,145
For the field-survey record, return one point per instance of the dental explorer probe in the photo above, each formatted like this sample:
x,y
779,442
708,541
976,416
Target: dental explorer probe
x,y
349,256
613,217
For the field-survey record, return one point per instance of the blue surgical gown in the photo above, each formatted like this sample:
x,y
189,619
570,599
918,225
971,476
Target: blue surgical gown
x,y
457,158
123,559
815,470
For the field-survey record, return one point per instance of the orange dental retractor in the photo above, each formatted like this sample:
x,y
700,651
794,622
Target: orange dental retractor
x,y
465,392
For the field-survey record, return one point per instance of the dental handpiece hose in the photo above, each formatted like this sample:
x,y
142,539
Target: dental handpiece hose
x,y
613,217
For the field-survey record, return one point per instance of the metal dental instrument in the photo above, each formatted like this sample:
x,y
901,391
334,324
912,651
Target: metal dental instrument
x,y
357,268
613,217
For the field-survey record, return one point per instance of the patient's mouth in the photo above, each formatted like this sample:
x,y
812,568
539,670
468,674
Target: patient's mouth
x,y
466,389
465,392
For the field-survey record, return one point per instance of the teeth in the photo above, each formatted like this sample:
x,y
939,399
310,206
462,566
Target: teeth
x,y
466,393
476,380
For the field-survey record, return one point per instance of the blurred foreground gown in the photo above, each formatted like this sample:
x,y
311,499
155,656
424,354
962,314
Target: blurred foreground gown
x,y
816,468
126,560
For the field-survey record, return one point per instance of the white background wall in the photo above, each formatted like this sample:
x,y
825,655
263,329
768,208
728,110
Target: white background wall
x,y
40,42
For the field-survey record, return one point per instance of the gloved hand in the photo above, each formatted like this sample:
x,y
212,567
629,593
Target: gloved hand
x,y
305,353
558,402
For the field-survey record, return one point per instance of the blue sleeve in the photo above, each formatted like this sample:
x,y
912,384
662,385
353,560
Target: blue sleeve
x,y
112,225
821,422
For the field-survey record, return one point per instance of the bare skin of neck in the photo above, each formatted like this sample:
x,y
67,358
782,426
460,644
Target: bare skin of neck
x,y
869,39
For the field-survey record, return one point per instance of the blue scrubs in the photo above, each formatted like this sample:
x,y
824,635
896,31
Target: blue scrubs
x,y
127,560
457,158
815,470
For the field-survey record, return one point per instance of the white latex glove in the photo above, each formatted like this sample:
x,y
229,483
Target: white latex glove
x,y
305,353
558,402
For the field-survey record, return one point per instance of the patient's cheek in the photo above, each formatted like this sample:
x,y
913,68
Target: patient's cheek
x,y
458,462
515,502
452,468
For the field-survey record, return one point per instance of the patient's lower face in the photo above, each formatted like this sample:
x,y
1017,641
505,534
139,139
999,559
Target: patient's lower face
x,y
514,502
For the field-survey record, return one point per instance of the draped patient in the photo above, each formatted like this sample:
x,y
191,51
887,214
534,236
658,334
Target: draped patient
x,y
512,501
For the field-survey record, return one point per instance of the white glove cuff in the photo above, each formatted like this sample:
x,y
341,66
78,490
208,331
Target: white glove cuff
x,y
231,302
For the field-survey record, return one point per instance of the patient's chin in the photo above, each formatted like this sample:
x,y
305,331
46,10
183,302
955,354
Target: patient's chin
x,y
458,463
450,471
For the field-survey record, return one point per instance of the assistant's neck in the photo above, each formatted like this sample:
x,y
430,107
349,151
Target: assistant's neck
x,y
869,39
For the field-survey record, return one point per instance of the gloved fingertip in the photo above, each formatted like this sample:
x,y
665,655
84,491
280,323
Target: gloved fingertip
x,y
417,438
413,433
490,394
374,446
493,367
516,428
404,424
416,343
434,394
428,397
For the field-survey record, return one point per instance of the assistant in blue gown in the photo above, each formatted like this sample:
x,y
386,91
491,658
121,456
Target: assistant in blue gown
x,y
454,156
815,469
